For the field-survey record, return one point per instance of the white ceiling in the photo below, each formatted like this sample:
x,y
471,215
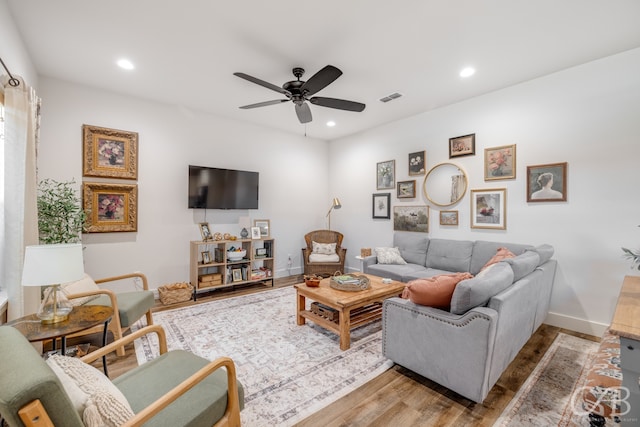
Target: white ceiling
x,y
186,52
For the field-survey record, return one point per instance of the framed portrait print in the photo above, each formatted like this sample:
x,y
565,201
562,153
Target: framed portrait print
x,y
448,217
489,208
110,207
264,226
411,218
205,231
386,175
547,183
109,153
406,189
255,233
500,162
381,206
417,161
462,146
206,257
236,275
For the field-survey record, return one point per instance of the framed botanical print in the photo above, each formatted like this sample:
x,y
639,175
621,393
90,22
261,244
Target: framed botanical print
x,y
500,162
381,206
386,175
547,183
109,153
462,146
417,161
110,207
489,208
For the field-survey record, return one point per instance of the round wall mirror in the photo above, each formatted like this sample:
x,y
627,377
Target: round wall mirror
x,y
445,184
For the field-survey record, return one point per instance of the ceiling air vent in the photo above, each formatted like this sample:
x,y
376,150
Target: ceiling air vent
x,y
391,97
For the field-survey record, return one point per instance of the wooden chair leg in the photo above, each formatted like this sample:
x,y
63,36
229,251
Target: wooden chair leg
x,y
33,414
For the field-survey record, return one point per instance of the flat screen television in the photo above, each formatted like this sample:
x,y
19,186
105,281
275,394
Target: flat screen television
x,y
215,188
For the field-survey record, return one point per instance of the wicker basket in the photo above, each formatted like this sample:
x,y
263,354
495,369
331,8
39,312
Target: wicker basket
x,y
357,283
175,293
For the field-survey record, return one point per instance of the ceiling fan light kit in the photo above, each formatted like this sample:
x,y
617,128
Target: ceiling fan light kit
x,y
298,91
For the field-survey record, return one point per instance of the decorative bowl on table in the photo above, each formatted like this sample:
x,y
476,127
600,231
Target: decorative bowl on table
x,y
313,280
236,255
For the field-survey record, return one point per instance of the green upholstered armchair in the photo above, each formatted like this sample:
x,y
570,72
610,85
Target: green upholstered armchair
x,y
129,306
177,388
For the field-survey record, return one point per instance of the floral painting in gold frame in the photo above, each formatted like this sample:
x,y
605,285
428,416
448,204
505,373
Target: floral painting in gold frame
x,y
110,207
109,153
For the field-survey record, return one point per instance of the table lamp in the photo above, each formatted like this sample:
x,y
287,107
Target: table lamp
x,y
51,266
335,205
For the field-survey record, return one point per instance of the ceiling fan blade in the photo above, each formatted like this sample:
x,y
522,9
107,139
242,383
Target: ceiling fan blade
x,y
304,112
340,104
264,104
320,80
263,83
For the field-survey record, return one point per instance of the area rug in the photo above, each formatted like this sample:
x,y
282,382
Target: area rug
x,y
549,397
288,371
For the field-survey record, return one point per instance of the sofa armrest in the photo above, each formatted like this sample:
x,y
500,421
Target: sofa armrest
x,y
369,260
452,350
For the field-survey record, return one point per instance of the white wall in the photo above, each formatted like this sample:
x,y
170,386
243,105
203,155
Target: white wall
x,y
14,53
171,138
588,116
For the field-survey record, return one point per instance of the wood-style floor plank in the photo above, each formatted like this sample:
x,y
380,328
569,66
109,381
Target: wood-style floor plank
x,y
397,397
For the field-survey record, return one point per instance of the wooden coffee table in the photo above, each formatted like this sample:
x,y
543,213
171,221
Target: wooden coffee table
x,y
354,308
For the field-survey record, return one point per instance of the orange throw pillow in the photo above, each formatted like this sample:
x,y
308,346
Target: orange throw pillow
x,y
502,253
434,291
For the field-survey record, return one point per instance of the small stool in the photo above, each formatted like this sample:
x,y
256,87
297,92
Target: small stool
x,y
602,387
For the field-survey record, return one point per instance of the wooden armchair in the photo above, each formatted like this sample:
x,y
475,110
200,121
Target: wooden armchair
x,y
33,394
127,306
323,263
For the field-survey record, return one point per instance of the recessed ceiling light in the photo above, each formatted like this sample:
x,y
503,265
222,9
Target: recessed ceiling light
x,y
467,72
126,64
331,123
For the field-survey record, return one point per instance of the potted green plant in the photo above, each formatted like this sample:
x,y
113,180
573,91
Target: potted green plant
x,y
61,218
634,256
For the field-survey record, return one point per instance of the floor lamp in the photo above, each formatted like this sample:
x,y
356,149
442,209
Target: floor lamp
x,y
335,205
51,266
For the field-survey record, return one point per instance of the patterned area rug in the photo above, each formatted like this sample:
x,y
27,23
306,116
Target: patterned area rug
x,y
288,371
549,397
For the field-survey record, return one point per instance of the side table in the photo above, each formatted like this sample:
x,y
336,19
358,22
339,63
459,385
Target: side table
x,y
81,318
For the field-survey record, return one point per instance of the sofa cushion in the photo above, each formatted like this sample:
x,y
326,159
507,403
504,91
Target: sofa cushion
x,y
323,248
434,291
544,251
389,256
324,258
86,284
484,250
96,399
413,247
450,255
523,264
478,291
501,254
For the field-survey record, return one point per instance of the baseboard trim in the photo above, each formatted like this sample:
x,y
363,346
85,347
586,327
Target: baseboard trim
x,y
575,324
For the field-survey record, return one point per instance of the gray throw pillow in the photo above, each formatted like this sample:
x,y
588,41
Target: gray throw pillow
x,y
478,291
523,264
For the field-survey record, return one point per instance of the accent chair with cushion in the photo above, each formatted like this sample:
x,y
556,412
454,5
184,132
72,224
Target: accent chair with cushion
x,y
324,254
177,388
129,306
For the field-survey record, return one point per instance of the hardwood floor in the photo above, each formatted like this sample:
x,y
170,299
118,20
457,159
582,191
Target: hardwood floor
x,y
398,397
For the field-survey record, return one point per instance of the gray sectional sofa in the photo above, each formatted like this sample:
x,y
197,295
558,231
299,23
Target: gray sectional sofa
x,y
491,317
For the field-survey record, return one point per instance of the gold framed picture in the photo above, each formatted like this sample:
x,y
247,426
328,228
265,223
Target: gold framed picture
x,y
109,153
205,231
489,208
448,217
462,146
110,207
547,183
500,162
264,225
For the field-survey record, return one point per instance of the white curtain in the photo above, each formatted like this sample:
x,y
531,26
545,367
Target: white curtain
x,y
20,213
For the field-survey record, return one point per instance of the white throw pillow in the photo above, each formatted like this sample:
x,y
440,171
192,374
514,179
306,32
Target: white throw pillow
x,y
389,256
97,400
86,284
323,248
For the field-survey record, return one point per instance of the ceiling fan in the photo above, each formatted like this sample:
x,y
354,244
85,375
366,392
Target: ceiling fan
x,y
299,91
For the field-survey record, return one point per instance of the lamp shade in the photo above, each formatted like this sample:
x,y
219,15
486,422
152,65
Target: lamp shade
x,y
336,203
52,264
